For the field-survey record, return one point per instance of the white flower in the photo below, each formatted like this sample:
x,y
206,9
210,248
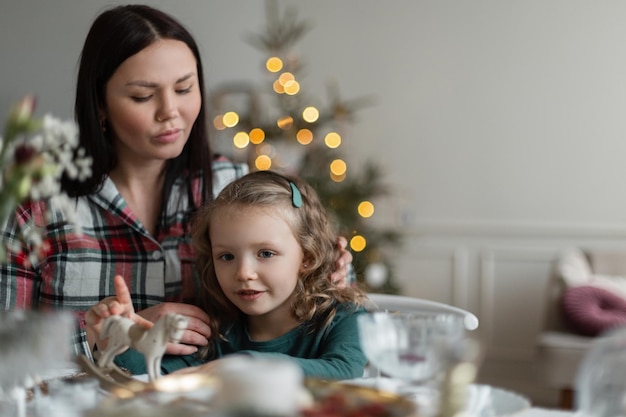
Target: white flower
x,y
34,155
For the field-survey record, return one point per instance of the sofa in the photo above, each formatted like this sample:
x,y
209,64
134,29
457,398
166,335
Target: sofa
x,y
586,296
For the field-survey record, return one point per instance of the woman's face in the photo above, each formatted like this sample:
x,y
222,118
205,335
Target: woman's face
x,y
152,102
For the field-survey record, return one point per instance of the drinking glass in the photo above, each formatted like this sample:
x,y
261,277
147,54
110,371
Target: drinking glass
x,y
31,343
601,380
414,347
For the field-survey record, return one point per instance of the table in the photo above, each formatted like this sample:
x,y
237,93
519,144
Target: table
x,y
488,401
544,412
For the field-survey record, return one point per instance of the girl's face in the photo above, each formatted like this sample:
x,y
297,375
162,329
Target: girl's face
x,y
152,102
258,262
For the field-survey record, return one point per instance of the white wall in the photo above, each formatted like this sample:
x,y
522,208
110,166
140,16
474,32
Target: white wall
x,y
500,125
487,111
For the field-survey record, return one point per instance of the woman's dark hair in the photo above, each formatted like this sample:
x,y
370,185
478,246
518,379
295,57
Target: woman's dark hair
x,y
116,35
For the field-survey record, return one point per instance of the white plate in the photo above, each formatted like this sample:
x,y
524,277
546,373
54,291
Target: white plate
x,y
488,401
483,400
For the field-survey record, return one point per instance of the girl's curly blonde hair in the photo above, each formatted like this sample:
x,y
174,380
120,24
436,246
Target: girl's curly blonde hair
x,y
316,296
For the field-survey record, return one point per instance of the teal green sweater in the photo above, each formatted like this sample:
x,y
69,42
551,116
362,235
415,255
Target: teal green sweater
x,y
330,353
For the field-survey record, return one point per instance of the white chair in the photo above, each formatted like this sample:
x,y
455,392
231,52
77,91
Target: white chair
x,y
404,304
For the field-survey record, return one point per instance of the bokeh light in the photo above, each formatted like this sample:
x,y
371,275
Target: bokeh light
x,y
241,140
338,167
285,77
332,140
263,162
278,87
358,243
230,119
274,64
257,136
292,88
365,209
218,123
304,136
337,178
285,122
310,114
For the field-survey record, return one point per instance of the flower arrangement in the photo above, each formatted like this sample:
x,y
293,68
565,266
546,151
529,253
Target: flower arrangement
x,y
34,155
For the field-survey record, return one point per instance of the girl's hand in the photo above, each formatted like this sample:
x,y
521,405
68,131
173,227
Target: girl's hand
x,y
340,276
120,305
195,335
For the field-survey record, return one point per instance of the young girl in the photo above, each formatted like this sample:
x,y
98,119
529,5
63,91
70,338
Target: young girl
x,y
265,247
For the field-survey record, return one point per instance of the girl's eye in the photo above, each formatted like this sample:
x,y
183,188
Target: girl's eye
x,y
266,254
141,99
226,257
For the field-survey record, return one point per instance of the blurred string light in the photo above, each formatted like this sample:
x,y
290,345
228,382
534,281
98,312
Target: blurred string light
x,y
286,77
286,84
292,88
365,209
278,87
274,64
218,122
285,122
337,178
358,243
310,114
257,136
241,140
338,169
332,140
263,162
230,119
304,136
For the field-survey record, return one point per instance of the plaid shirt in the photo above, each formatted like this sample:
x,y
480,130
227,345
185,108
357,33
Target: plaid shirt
x,y
78,270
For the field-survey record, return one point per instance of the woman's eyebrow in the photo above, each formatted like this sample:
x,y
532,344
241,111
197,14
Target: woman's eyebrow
x,y
185,77
147,84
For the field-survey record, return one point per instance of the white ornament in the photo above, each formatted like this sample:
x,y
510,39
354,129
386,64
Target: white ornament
x,y
124,333
376,274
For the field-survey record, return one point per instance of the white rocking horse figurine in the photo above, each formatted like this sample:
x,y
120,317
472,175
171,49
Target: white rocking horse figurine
x,y
124,333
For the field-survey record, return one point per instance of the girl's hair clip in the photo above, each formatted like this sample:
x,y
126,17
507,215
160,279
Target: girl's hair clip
x,y
296,197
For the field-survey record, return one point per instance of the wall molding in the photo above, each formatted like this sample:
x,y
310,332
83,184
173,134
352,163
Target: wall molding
x,y
457,257
489,259
515,228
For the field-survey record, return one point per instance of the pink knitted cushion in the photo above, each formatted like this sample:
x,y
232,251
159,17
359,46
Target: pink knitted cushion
x,y
592,310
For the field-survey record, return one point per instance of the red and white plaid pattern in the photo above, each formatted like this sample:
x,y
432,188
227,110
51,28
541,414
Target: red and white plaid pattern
x,y
78,270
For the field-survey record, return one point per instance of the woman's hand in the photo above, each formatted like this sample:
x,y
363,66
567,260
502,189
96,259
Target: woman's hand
x,y
197,330
340,276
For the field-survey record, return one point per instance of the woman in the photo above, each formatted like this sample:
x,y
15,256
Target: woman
x,y
141,116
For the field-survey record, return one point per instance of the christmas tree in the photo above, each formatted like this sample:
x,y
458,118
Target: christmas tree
x,y
279,127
